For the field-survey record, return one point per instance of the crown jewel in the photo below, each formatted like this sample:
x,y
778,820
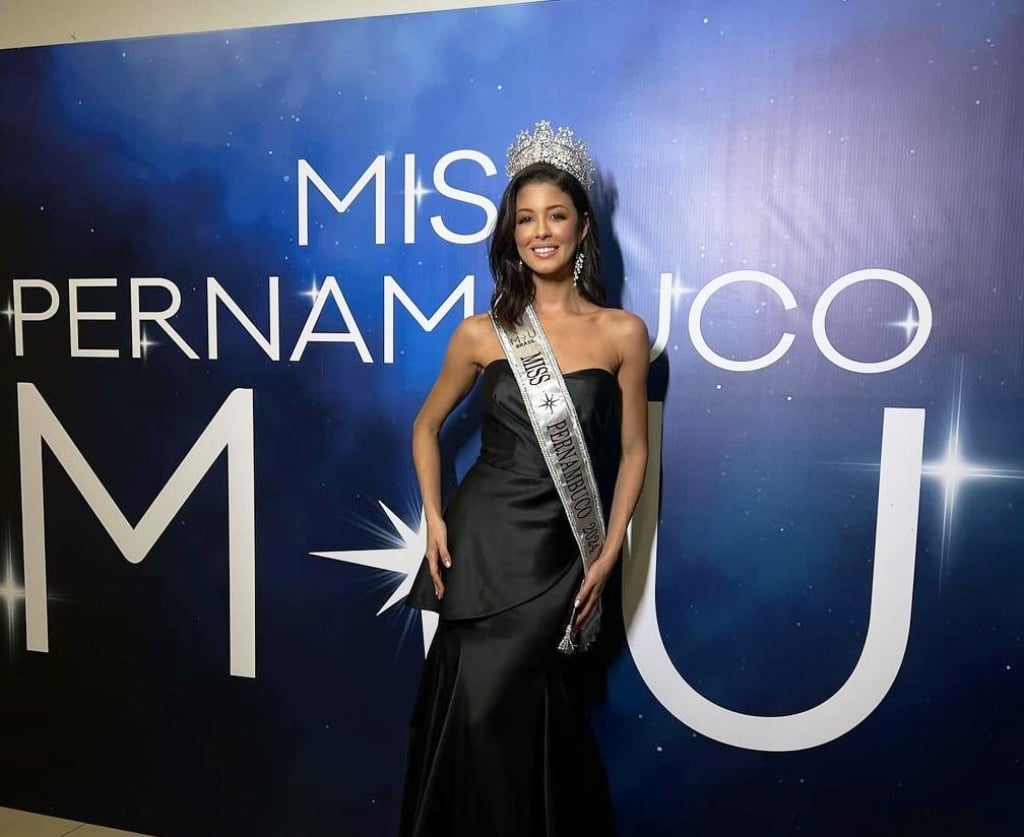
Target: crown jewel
x,y
559,148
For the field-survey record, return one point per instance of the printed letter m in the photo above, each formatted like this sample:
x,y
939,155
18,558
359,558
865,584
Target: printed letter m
x,y
231,428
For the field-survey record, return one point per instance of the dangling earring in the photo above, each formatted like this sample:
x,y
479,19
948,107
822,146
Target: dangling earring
x,y
577,269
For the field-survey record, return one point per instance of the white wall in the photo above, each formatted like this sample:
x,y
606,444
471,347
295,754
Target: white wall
x,y
36,22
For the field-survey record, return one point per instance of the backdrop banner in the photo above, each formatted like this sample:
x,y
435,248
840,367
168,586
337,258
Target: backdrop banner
x,y
231,265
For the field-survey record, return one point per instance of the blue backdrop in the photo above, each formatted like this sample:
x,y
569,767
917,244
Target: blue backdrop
x,y
800,142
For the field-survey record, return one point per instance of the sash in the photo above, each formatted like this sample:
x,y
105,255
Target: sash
x,y
558,431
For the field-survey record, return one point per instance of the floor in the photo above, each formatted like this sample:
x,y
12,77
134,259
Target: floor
x,y
15,823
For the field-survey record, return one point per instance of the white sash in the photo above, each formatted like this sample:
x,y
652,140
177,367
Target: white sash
x,y
560,437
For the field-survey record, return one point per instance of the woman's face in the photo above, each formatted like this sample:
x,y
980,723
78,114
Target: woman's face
x,y
548,229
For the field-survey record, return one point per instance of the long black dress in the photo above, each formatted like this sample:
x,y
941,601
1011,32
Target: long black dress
x,y
499,746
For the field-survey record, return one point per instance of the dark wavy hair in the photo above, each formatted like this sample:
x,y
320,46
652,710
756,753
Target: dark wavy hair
x,y
513,283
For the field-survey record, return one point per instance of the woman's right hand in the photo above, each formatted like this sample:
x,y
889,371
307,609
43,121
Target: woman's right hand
x,y
437,554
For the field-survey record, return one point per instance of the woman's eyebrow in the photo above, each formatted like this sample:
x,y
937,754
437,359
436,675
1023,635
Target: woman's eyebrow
x,y
553,206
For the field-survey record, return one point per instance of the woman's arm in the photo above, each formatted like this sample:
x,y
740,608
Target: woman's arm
x,y
630,334
459,371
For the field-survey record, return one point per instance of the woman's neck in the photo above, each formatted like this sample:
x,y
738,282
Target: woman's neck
x,y
554,297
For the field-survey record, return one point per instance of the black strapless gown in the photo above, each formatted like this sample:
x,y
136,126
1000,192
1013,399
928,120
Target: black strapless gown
x,y
499,743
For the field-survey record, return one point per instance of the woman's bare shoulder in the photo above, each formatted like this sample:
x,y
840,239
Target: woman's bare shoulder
x,y
477,321
623,327
474,338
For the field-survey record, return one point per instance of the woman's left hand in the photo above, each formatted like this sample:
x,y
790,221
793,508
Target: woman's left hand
x,y
593,586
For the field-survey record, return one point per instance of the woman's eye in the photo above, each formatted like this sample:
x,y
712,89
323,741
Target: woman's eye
x,y
524,219
558,216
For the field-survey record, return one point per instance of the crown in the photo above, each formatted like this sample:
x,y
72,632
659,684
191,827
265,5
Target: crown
x,y
558,148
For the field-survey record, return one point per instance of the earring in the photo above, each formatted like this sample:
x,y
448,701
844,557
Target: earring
x,y
577,269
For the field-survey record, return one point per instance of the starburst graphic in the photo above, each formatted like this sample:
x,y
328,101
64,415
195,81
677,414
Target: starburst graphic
x,y
954,470
679,290
314,290
549,403
146,344
909,324
420,191
12,594
404,559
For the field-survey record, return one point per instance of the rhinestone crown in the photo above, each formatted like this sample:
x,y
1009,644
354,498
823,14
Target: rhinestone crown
x,y
559,148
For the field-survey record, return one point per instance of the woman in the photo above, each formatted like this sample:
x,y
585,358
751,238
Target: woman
x,y
497,745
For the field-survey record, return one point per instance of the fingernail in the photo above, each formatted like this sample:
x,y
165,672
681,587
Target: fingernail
x,y
447,563
576,603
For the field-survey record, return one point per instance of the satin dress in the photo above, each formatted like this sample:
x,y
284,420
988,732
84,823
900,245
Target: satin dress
x,y
500,745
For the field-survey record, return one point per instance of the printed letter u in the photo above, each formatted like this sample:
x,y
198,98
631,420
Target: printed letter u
x,y
888,621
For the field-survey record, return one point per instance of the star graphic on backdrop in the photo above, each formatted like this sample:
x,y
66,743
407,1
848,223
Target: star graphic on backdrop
x,y
404,559
678,290
952,470
146,344
909,324
11,593
420,191
314,290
